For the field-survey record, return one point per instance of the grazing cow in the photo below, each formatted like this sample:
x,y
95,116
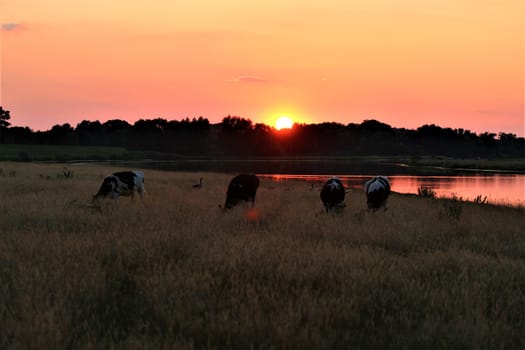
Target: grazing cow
x,y
377,190
123,183
242,187
333,195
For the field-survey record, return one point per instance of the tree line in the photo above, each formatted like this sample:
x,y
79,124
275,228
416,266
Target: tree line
x,y
237,136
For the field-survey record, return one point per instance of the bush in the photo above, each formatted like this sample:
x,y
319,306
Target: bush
x,y
66,173
426,192
480,200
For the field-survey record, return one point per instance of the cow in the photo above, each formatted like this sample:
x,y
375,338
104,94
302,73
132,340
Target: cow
x,y
242,187
333,195
123,183
377,191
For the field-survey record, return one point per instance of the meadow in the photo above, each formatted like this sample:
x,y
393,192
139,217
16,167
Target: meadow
x,y
25,153
221,163
172,271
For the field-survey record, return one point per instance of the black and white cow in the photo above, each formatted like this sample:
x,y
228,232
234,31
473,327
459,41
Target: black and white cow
x,y
333,195
123,183
377,190
242,187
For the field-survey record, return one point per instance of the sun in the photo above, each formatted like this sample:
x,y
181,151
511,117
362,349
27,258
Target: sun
x,y
283,122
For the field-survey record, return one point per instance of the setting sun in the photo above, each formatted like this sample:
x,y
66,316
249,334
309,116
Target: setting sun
x,y
283,123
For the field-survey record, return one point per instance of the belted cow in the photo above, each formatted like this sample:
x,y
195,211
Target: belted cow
x,y
377,190
122,183
333,195
242,187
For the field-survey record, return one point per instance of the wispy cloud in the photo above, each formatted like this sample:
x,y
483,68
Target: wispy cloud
x,y
10,27
249,80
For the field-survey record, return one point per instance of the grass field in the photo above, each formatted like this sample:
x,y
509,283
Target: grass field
x,y
174,272
60,152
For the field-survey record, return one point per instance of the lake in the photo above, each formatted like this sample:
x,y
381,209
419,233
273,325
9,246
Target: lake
x,y
498,187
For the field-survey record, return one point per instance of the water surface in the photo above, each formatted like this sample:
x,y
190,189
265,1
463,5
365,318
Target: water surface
x,y
496,188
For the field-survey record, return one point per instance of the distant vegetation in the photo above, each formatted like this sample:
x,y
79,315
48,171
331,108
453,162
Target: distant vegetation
x,y
32,152
236,136
426,192
176,272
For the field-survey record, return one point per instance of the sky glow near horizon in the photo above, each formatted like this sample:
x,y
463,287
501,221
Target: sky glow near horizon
x,y
456,64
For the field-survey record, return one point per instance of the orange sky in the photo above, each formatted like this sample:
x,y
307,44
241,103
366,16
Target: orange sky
x,y
454,63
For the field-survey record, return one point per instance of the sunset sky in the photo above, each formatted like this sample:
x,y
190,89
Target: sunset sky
x,y
454,63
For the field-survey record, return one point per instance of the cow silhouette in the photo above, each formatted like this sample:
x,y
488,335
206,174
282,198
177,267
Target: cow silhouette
x,y
242,188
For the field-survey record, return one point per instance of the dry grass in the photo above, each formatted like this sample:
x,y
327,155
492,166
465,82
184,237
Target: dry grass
x,y
176,272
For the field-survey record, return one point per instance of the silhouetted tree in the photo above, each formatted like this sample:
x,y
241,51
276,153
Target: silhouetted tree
x,y
116,132
148,134
114,125
187,136
236,137
89,133
150,125
89,126
18,134
239,136
200,123
4,123
61,134
374,126
4,117
234,123
510,145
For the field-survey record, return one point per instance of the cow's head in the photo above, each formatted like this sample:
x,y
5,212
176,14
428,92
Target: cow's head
x,y
109,188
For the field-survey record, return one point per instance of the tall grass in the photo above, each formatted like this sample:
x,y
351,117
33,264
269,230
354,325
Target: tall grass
x,y
174,271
